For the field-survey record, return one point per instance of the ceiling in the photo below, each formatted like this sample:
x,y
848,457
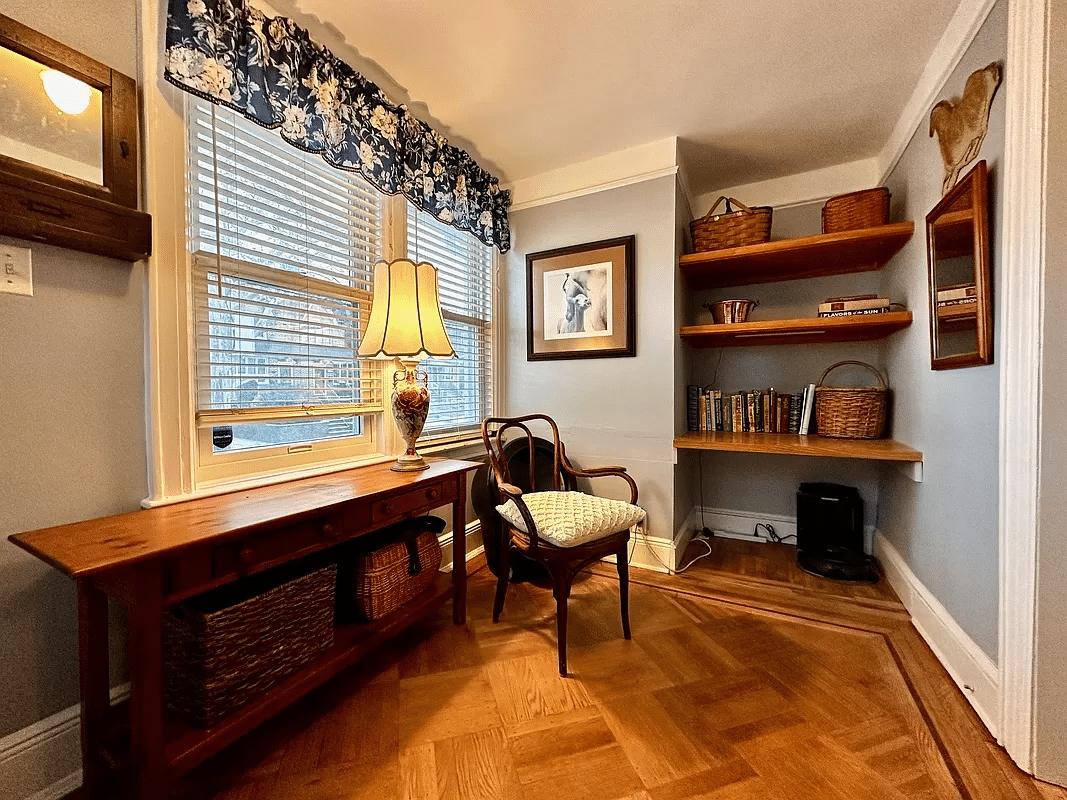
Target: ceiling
x,y
753,90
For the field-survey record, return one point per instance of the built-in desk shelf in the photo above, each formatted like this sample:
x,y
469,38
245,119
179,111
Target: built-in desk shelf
x,y
861,250
858,328
908,459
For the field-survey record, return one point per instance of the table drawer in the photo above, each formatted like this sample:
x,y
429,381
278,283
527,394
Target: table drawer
x,y
423,499
260,550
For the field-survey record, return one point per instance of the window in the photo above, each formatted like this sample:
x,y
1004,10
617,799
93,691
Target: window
x,y
283,248
461,389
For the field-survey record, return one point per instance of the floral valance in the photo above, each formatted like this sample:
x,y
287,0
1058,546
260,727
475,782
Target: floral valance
x,y
272,72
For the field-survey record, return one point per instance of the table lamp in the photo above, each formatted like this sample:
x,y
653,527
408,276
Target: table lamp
x,y
405,323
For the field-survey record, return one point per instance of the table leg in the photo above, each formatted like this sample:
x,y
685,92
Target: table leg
x,y
459,551
93,677
146,694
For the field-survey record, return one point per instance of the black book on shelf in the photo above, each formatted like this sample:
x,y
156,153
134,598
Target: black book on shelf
x,y
692,408
795,406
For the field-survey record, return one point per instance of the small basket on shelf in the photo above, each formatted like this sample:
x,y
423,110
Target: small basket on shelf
x,y
868,208
851,412
732,228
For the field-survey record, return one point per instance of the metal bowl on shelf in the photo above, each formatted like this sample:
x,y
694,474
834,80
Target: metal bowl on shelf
x,y
730,311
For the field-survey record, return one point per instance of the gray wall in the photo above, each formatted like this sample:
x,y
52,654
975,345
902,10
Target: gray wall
x,y
946,527
609,410
72,390
1051,653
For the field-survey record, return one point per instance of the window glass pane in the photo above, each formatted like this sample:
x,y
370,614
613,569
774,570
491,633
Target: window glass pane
x,y
461,388
270,345
284,247
252,435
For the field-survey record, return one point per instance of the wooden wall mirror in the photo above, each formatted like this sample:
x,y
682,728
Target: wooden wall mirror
x,y
68,148
957,238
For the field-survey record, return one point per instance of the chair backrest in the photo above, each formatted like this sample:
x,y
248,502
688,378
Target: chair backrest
x,y
499,433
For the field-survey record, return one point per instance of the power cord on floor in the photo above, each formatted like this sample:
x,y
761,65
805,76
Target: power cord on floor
x,y
704,537
771,534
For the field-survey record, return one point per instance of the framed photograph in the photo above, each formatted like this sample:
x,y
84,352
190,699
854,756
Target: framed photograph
x,y
580,301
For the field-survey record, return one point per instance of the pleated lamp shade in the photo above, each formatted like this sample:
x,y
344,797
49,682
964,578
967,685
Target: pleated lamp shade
x,y
405,319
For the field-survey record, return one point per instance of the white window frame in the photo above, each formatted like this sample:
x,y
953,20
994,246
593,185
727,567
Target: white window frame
x,y
174,438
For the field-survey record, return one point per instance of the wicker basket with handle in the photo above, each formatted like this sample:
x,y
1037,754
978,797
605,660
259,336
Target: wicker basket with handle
x,y
868,208
386,578
851,412
731,229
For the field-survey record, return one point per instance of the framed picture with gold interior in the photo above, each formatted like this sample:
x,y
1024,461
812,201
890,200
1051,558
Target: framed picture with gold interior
x,y
580,301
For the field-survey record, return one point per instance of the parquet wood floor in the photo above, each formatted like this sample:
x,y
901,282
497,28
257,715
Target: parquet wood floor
x,y
745,679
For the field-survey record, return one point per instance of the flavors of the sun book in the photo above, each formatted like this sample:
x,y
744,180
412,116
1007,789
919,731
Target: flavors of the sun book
x,y
858,303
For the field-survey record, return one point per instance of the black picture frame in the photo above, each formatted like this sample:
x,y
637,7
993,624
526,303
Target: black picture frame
x,y
580,301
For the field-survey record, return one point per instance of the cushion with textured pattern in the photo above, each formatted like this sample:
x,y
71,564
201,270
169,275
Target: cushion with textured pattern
x,y
567,519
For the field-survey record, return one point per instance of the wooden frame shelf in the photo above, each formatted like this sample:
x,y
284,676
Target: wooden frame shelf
x,y
858,328
791,444
791,259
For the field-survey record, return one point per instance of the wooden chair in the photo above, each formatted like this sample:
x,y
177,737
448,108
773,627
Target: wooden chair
x,y
563,530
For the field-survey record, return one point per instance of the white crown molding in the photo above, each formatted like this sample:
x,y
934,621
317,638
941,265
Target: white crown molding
x,y
971,669
961,30
1021,333
805,187
611,171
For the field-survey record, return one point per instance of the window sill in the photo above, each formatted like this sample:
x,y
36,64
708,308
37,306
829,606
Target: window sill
x,y
215,489
468,447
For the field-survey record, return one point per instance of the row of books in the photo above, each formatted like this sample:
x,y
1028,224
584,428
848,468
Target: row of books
x,y
754,410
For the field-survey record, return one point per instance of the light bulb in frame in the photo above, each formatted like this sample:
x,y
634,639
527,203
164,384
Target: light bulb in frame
x,y
69,94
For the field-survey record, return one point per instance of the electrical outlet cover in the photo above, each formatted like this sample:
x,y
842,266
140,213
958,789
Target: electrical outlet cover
x,y
16,270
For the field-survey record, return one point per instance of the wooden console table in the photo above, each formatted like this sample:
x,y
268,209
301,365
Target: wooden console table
x,y
148,560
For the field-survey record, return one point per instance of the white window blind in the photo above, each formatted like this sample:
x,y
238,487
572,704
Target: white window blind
x,y
461,392
283,252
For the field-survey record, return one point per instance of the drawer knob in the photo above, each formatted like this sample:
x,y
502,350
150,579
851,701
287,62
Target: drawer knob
x,y
330,531
245,555
387,508
433,494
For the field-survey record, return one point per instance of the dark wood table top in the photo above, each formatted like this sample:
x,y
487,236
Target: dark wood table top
x,y
84,548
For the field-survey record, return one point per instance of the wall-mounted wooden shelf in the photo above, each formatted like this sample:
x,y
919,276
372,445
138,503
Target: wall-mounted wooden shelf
x,y
791,444
862,327
807,257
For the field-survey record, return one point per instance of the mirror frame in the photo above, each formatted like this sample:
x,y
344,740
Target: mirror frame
x,y
972,187
48,206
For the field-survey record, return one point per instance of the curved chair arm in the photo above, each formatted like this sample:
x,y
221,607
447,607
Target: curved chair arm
x,y
600,472
511,492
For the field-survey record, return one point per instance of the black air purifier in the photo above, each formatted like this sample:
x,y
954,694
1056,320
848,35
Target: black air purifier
x,y
830,533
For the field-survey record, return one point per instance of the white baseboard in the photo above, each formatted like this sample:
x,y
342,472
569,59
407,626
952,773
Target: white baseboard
x,y
43,761
474,544
972,670
728,524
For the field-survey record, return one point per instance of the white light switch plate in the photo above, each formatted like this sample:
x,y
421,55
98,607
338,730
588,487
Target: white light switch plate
x,y
16,270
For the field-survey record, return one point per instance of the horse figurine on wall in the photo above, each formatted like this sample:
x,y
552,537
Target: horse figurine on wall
x,y
961,125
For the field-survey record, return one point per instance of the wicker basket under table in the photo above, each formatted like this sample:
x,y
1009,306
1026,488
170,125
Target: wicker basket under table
x,y
851,412
229,646
384,580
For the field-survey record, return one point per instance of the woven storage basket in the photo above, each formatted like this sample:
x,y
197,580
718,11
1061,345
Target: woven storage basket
x,y
229,646
383,579
848,212
851,412
732,229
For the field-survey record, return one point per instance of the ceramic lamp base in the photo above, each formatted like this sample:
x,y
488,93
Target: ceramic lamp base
x,y
410,403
